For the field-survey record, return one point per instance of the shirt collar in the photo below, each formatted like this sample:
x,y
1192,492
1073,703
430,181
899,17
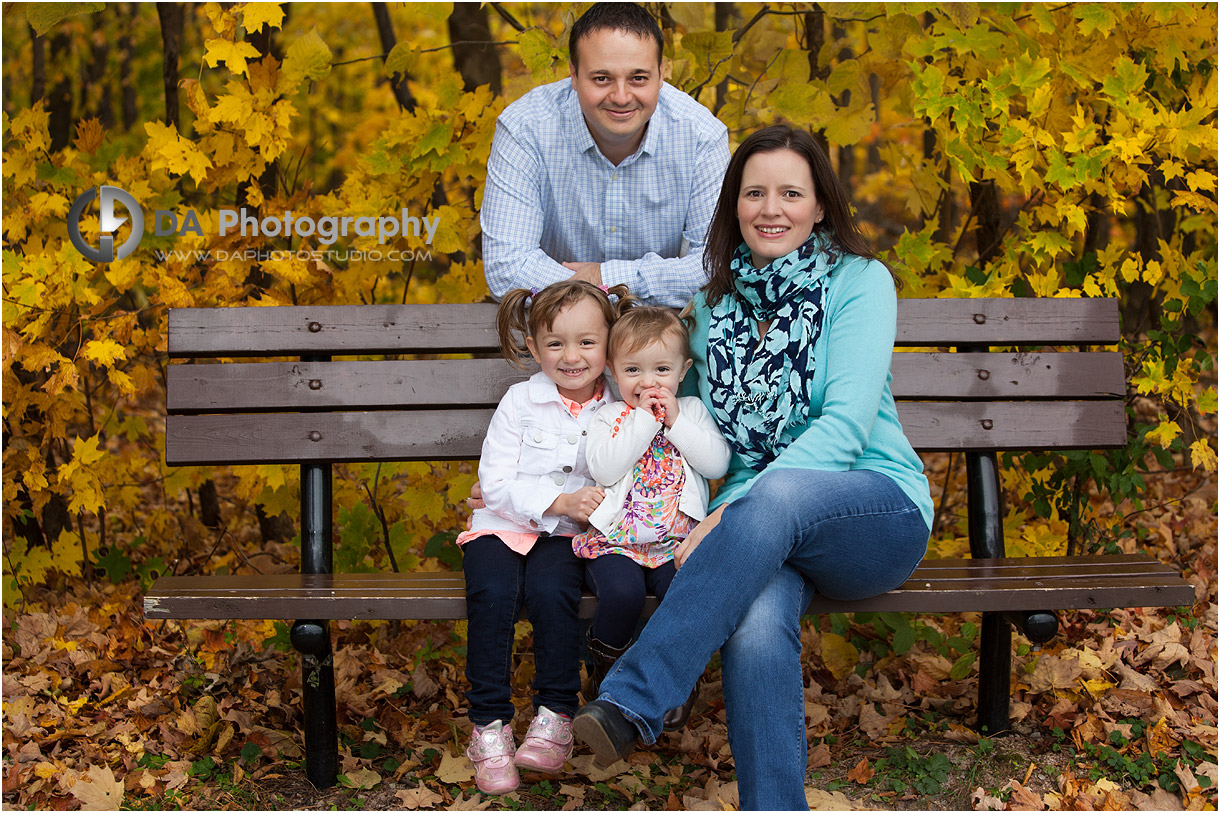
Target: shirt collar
x,y
543,390
582,140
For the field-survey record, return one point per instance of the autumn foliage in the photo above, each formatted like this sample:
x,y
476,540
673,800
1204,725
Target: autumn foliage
x,y
1017,150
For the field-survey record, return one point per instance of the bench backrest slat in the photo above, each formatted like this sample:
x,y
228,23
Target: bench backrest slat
x,y
464,383
282,437
369,329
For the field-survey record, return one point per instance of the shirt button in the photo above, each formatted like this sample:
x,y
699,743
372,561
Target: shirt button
x,y
567,468
572,439
533,524
584,433
538,438
613,229
559,479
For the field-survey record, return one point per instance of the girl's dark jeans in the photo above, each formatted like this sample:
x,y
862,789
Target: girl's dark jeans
x,y
620,585
547,581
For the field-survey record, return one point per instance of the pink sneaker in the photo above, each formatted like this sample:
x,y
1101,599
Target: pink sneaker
x,y
491,752
548,743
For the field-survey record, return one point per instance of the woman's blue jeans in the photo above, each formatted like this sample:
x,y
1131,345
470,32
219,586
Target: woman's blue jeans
x,y
548,581
846,535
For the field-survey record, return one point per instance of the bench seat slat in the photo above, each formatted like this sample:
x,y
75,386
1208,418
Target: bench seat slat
x,y
935,570
295,437
360,329
442,595
300,385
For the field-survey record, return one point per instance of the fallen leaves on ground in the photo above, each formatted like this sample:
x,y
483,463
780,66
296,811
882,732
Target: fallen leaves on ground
x,y
103,709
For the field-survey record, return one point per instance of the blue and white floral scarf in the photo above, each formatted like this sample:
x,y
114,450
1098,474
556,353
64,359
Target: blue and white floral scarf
x,y
758,391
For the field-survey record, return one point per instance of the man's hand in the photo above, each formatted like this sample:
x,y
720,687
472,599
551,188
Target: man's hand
x,y
589,272
579,504
687,546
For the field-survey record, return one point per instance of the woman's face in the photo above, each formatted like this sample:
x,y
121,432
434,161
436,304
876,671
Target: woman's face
x,y
777,206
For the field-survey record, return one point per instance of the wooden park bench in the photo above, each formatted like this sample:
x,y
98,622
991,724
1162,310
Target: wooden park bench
x,y
328,406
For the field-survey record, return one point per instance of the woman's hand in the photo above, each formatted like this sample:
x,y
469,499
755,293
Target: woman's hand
x,y
474,502
579,504
687,546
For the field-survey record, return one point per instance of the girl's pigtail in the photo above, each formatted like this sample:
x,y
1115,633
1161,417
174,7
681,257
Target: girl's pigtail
x,y
625,300
687,316
511,322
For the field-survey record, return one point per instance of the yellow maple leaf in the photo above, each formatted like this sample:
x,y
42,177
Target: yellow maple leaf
x,y
255,15
86,450
223,20
233,106
104,351
1203,456
1201,179
172,152
1164,434
122,381
232,54
839,654
1153,272
66,554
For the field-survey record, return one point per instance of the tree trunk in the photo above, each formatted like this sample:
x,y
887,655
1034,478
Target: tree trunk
x,y
478,64
874,152
279,528
94,85
847,152
385,30
171,17
985,209
38,68
815,38
724,13
127,51
60,100
209,504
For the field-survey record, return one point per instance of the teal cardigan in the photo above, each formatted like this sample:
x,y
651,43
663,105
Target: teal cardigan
x,y
853,423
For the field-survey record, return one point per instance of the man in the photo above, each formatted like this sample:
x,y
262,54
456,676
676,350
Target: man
x,y
605,176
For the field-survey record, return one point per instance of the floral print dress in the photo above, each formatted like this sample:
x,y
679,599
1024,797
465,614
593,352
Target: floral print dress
x,y
649,525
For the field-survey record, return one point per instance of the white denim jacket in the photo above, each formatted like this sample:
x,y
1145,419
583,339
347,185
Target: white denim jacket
x,y
534,451
613,455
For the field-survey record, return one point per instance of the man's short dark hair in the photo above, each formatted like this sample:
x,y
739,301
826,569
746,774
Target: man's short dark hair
x,y
629,18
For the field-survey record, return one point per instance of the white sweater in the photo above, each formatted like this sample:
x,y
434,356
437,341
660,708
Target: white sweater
x,y
612,457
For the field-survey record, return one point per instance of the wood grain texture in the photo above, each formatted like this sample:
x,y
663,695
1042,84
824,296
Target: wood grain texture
x,y
946,585
364,329
452,434
333,385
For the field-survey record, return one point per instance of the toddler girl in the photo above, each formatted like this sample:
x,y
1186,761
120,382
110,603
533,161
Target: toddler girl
x,y
538,494
654,453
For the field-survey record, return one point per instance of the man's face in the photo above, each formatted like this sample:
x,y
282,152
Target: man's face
x,y
618,84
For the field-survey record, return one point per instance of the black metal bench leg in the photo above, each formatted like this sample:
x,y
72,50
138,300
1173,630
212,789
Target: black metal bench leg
x,y
995,671
312,640
986,524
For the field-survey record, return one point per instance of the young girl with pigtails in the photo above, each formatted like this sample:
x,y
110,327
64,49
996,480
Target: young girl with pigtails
x,y
538,494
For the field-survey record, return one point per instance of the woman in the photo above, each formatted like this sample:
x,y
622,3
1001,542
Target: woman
x,y
792,344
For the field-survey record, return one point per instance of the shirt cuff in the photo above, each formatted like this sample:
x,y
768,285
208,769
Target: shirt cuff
x,y
621,272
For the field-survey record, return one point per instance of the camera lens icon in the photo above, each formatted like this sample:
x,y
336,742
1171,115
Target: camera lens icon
x,y
108,224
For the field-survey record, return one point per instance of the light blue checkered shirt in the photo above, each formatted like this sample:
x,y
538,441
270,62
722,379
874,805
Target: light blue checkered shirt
x,y
552,197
